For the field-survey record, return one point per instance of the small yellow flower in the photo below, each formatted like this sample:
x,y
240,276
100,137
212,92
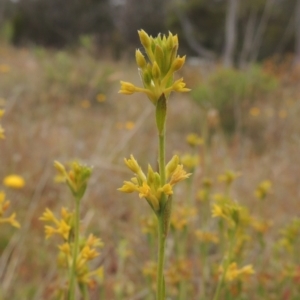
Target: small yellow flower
x,y
178,175
282,114
65,248
254,111
217,211
85,103
4,68
11,220
2,136
233,272
229,176
48,216
129,125
194,140
89,253
14,181
263,189
101,97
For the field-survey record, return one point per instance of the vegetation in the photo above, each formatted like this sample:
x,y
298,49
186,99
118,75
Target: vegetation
x,y
233,232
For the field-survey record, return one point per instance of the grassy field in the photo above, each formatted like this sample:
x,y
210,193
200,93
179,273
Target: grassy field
x,y
65,106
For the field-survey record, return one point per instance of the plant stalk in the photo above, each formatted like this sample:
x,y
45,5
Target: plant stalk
x,y
72,274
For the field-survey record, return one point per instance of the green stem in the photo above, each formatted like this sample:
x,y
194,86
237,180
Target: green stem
x,y
72,274
162,159
160,293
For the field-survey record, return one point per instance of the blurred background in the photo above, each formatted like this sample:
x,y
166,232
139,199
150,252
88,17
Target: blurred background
x,y
238,32
60,67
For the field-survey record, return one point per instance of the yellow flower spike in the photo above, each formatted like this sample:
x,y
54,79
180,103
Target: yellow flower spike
x,y
14,181
76,178
128,187
157,74
2,111
178,175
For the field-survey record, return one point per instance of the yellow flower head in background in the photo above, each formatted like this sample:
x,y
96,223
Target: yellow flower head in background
x,y
158,69
14,181
233,273
194,140
263,189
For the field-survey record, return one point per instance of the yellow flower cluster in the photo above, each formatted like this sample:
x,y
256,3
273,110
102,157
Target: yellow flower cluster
x,y
190,161
63,227
194,140
263,189
233,273
76,178
228,177
149,187
179,271
290,235
4,205
232,212
157,73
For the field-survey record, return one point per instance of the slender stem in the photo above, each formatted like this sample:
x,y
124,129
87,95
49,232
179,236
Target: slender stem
x,y
162,159
160,293
72,274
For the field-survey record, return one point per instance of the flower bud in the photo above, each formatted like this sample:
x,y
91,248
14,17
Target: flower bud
x,y
140,59
178,63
